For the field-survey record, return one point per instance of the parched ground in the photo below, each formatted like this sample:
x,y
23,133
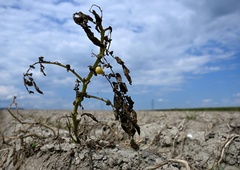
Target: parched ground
x,y
169,140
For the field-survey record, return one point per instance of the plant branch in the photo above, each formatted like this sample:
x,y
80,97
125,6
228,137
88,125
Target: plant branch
x,y
108,102
66,67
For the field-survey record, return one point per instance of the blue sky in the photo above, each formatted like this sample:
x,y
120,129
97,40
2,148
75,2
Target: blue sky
x,y
181,53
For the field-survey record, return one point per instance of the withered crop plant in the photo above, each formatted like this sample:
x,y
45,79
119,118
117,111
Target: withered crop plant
x,y
122,103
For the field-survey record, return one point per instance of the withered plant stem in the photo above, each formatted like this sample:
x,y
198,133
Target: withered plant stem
x,y
85,82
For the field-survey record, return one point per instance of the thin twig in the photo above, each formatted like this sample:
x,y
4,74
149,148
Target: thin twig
x,y
180,128
170,160
16,105
23,122
181,161
225,146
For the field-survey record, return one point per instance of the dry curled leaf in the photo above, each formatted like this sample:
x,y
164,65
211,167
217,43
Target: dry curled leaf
x,y
36,88
123,87
82,20
127,125
68,67
91,116
118,77
42,69
98,21
119,60
41,59
108,103
117,101
130,101
126,73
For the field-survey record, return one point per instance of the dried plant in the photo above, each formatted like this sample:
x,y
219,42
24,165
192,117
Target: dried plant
x,y
122,103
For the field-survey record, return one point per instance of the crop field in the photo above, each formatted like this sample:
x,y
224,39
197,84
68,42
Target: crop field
x,y
170,139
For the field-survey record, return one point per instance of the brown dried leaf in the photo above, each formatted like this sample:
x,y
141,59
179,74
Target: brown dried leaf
x,y
115,86
123,87
130,101
41,59
127,125
36,88
126,73
68,67
117,101
134,145
119,60
91,116
108,103
28,83
118,77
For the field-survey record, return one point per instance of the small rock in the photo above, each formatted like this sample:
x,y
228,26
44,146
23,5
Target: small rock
x,y
230,160
125,167
152,158
167,141
77,160
234,124
98,157
68,146
112,162
81,156
144,154
47,147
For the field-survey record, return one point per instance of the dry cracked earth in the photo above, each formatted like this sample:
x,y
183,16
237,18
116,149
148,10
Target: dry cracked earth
x,y
169,140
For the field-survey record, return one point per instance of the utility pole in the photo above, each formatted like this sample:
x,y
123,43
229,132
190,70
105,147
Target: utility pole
x,y
152,104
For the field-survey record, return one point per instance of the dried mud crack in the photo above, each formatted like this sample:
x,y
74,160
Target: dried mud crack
x,y
169,141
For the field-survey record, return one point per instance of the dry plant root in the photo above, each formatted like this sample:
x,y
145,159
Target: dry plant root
x,y
29,123
170,161
227,143
180,128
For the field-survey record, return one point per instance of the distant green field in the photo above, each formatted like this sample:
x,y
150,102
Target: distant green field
x,y
203,109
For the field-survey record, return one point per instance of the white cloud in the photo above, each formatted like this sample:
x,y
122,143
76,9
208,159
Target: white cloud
x,y
207,100
162,42
237,95
162,100
7,92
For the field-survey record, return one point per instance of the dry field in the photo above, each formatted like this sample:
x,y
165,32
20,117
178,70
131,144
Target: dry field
x,y
169,140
